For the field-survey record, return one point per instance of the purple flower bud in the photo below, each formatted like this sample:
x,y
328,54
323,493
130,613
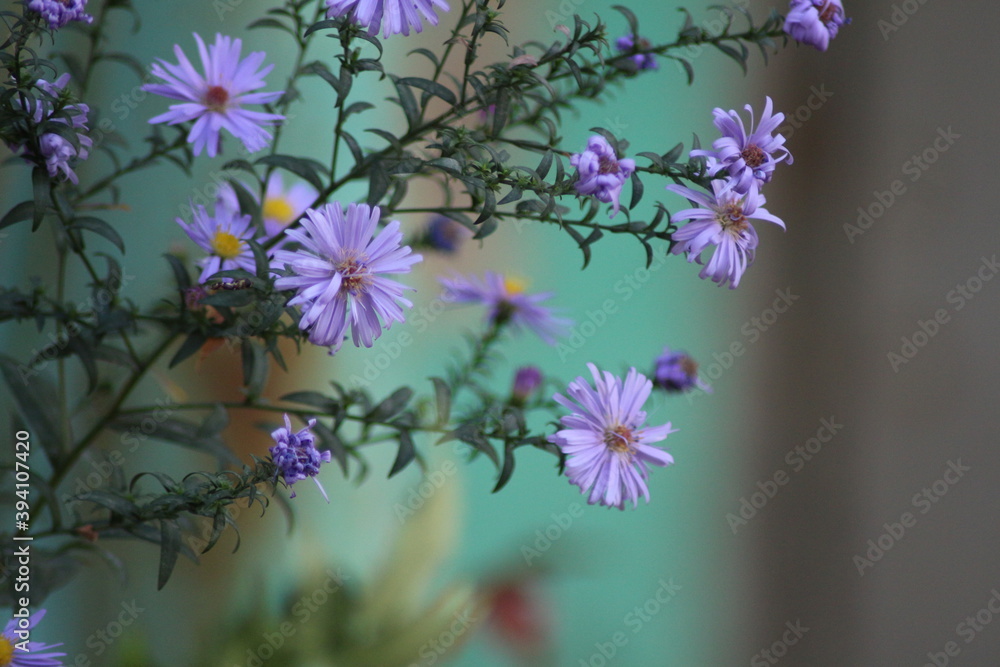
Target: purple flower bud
x,y
677,371
642,61
445,234
815,22
600,172
526,381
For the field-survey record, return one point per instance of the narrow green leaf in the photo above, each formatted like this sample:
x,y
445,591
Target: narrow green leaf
x,y
406,453
23,211
99,226
442,396
391,406
170,545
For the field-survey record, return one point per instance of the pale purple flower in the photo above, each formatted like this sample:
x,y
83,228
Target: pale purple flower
x,y
722,220
282,206
749,158
677,372
815,22
60,12
38,654
506,303
339,274
224,236
527,380
296,457
54,150
393,16
606,440
216,100
642,61
600,173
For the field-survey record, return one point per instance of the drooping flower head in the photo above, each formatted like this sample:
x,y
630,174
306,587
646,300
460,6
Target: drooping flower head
x,y
339,274
55,151
527,380
677,372
296,456
600,173
224,236
216,100
393,16
606,439
506,303
815,22
627,43
445,234
722,220
749,158
38,654
60,12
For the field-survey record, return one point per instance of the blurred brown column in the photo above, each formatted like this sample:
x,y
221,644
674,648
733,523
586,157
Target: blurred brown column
x,y
897,118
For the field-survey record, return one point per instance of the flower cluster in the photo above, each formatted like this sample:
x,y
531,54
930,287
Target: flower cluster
x,y
295,455
60,12
55,151
215,100
742,162
815,22
601,173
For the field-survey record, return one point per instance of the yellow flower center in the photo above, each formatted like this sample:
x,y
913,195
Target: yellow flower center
x,y
278,208
514,286
6,651
226,246
732,219
620,439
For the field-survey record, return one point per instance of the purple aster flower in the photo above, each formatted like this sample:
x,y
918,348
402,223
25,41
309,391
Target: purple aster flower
x,y
337,274
445,234
507,303
58,13
527,380
628,43
37,655
677,371
750,159
605,439
282,206
722,220
399,15
224,235
296,456
815,22
217,99
600,172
